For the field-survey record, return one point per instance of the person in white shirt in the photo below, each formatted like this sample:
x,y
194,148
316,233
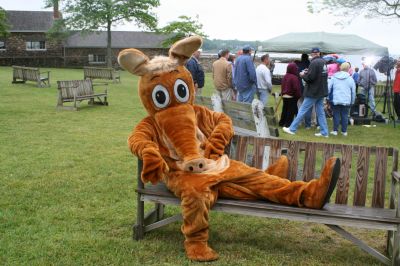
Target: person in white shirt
x,y
264,84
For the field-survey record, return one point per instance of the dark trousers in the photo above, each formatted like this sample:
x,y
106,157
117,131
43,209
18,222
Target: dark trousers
x,y
289,110
396,104
340,114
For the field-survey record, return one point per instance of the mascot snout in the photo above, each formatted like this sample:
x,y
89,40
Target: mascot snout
x,y
180,131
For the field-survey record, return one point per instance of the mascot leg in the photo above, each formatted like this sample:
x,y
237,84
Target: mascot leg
x,y
250,184
196,200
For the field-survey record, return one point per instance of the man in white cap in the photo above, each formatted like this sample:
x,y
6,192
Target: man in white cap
x,y
197,71
245,76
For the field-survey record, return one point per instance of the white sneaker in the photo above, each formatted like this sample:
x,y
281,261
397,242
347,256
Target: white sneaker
x,y
320,135
334,133
287,130
344,134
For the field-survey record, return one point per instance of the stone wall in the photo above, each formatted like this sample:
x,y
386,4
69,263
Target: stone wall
x,y
17,54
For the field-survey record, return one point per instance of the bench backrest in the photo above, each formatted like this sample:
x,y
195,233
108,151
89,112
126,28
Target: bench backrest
x,y
95,72
67,88
26,73
364,170
242,114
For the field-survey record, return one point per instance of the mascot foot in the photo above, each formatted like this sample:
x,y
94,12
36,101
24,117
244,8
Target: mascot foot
x,y
318,191
279,168
200,251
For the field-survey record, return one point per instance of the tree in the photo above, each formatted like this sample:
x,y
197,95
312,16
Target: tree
x,y
177,30
352,9
4,27
93,15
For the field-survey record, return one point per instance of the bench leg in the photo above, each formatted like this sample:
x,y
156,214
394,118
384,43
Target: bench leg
x,y
396,247
360,244
139,227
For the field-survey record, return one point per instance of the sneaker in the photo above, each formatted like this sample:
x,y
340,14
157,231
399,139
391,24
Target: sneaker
x,y
334,133
320,135
344,134
287,130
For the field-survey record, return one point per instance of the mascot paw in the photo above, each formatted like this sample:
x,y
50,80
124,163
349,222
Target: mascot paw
x,y
154,166
318,191
211,151
200,251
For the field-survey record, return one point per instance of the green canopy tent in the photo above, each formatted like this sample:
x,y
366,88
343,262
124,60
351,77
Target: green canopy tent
x,y
302,42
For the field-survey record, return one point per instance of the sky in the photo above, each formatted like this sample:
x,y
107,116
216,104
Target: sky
x,y
257,20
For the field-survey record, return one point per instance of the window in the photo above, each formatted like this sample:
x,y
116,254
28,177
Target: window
x,y
2,45
35,45
96,58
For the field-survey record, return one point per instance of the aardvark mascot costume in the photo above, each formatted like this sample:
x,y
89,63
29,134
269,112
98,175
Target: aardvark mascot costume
x,y
182,144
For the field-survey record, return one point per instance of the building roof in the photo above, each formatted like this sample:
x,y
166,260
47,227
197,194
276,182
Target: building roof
x,y
30,21
120,39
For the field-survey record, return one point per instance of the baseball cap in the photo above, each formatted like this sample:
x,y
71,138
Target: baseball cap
x,y
315,50
247,48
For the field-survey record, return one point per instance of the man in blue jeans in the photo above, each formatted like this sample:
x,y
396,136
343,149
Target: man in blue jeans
x,y
316,89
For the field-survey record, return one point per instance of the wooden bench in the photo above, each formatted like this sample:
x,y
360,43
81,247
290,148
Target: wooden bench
x,y
248,119
101,73
78,90
352,205
22,74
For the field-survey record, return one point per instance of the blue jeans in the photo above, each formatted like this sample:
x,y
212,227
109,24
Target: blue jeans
x,y
340,114
263,95
247,96
319,109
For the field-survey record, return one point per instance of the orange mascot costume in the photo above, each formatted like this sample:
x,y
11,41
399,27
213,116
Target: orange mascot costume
x,y
182,144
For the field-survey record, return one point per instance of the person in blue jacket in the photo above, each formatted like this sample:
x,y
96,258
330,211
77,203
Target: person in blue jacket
x,y
197,71
245,76
341,91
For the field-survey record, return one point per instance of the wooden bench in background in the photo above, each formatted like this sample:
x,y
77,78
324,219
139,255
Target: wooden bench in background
x,y
22,74
248,119
353,205
78,90
101,73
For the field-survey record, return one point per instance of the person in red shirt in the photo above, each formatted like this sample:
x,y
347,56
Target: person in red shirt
x,y
396,90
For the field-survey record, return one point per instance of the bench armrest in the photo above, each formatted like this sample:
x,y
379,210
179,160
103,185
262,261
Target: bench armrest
x,y
396,176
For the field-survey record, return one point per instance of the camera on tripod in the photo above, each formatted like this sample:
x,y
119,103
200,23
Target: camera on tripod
x,y
385,64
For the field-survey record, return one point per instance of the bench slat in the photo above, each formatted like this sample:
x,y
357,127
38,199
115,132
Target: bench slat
x,y
360,191
309,161
276,151
259,148
241,149
378,196
343,184
293,156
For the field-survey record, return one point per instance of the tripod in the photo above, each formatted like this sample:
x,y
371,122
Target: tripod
x,y
388,98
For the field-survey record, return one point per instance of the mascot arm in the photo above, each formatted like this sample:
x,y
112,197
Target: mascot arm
x,y
141,142
218,130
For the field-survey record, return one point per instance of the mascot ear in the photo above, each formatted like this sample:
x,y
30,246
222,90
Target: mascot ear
x,y
183,49
133,61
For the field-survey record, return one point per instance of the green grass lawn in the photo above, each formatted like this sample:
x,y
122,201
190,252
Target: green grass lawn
x,y
67,197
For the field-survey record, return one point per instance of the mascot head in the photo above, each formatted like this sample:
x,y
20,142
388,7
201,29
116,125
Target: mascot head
x,y
164,81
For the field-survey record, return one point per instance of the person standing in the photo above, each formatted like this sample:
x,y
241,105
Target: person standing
x,y
222,76
341,91
315,91
291,92
245,76
367,81
396,90
355,77
264,82
197,71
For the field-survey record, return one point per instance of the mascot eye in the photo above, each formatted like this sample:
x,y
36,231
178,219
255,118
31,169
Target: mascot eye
x,y
181,91
160,96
